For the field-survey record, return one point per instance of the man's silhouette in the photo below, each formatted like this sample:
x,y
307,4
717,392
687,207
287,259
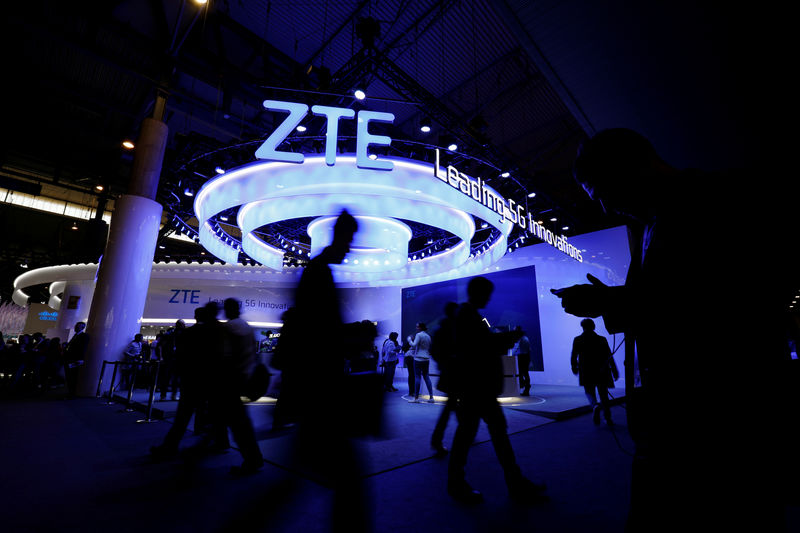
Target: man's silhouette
x,y
694,330
478,380
592,362
324,441
74,355
443,351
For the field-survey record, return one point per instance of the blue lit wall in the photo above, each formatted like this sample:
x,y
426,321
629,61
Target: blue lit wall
x,y
513,303
606,258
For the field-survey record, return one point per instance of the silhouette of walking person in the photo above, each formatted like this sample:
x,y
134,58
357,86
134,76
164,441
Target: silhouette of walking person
x,y
443,351
195,363
238,362
592,362
478,374
318,322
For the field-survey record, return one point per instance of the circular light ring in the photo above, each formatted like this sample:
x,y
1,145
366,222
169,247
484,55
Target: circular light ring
x,y
379,244
257,214
409,180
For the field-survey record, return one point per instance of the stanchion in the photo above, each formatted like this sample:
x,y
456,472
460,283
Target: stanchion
x,y
130,389
152,393
111,385
100,380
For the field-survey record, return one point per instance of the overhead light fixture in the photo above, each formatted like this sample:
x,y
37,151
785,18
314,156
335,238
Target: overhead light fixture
x,y
23,265
452,147
128,145
74,226
301,128
531,195
219,170
425,127
99,187
161,246
188,192
359,94
223,218
553,219
565,228
505,174
201,2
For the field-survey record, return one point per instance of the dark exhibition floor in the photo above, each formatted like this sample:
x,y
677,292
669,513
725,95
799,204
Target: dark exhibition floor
x,y
83,465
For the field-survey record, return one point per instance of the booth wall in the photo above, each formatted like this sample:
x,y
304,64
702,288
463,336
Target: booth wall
x,y
606,257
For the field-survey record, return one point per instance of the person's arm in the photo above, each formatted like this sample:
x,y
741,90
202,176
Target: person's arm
x,y
413,342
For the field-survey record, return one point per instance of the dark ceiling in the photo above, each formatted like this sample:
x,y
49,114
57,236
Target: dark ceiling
x,y
518,84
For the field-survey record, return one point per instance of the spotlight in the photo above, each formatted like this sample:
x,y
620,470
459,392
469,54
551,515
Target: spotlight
x,y
128,145
565,228
188,192
99,187
74,226
425,128
359,94
452,147
553,219
219,170
223,218
531,195
301,128
505,174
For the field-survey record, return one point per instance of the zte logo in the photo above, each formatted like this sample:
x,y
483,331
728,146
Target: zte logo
x,y
185,296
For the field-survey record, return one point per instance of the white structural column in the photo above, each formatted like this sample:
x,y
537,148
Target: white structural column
x,y
76,300
124,274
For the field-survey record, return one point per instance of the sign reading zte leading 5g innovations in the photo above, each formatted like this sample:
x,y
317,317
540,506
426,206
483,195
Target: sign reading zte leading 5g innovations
x,y
505,208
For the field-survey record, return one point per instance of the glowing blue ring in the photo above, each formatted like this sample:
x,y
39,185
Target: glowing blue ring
x,y
410,180
380,243
257,214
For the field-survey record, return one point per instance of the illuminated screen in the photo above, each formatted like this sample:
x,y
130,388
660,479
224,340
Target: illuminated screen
x,y
513,303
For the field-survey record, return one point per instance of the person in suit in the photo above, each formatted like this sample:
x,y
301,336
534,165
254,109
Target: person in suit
x,y
478,380
74,354
592,362
688,319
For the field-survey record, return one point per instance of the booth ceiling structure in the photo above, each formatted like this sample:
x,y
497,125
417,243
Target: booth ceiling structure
x,y
508,82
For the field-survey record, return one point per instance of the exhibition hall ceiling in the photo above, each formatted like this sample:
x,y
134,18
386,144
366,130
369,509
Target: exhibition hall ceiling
x,y
485,75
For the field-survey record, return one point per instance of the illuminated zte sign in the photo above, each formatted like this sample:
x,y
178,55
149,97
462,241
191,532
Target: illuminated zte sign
x,y
297,112
474,188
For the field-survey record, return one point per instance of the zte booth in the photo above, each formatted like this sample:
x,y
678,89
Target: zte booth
x,y
382,279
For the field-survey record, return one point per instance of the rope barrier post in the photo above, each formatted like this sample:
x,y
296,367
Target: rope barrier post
x,y
130,390
100,380
111,386
152,392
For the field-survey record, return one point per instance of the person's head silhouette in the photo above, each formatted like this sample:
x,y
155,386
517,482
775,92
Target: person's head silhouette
x,y
620,169
479,291
587,324
232,308
450,309
343,232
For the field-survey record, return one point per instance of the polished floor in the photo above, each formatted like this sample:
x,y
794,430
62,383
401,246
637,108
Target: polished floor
x,y
82,465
